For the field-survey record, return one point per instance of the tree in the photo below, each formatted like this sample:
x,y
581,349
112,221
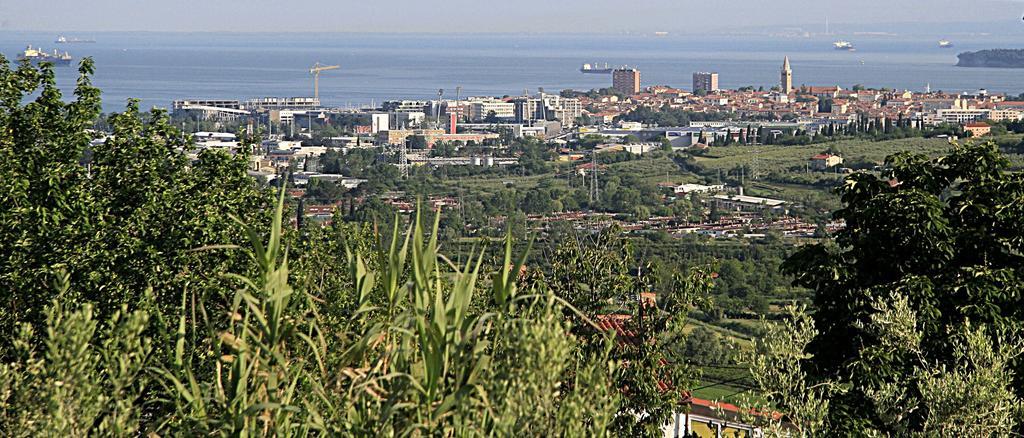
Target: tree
x,y
117,218
417,142
902,392
704,346
149,292
601,279
943,234
492,117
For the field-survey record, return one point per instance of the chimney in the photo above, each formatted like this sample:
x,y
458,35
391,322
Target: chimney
x,y
452,129
741,190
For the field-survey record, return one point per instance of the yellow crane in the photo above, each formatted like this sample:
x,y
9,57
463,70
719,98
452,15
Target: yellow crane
x,y
315,71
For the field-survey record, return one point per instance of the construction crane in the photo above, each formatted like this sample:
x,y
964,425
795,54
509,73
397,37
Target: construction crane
x,y
315,71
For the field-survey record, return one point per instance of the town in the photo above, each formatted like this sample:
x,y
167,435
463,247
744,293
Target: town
x,y
581,133
658,219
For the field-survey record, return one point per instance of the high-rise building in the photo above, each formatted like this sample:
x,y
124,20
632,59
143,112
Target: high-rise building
x,y
704,81
626,80
787,77
548,107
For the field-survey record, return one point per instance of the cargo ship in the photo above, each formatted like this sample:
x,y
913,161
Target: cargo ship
x,y
61,39
38,55
594,69
843,45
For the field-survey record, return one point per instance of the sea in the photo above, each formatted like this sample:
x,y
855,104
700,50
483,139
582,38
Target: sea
x,y
157,68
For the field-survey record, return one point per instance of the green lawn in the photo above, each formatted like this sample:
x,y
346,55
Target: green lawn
x,y
727,383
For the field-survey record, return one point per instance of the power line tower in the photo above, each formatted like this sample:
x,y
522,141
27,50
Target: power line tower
x,y
403,160
595,193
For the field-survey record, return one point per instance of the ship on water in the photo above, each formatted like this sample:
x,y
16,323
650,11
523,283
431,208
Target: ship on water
x,y
38,55
945,44
844,45
61,39
594,69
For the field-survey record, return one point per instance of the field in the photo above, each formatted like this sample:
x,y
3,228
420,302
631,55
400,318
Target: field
x,y
656,170
771,157
650,169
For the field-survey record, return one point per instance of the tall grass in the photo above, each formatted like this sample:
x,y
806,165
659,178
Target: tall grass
x,y
420,352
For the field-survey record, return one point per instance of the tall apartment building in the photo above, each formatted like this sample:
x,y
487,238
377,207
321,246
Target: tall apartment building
x,y
626,81
705,81
786,82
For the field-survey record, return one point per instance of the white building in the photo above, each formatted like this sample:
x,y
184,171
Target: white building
x,y
479,109
548,106
282,103
405,106
408,119
686,189
742,202
959,116
210,109
379,122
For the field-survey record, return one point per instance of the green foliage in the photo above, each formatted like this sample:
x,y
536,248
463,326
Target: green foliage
x,y
119,216
941,241
657,373
84,379
900,390
779,371
670,116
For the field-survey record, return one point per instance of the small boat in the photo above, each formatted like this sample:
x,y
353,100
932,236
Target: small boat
x,y
843,45
61,39
945,44
594,69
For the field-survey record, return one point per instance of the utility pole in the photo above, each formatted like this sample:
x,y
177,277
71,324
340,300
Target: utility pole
x,y
437,109
543,106
458,102
527,116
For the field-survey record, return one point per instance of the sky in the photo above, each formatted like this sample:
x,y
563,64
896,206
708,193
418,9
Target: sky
x,y
563,16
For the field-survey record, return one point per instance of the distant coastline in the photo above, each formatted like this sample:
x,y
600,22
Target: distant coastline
x,y
993,58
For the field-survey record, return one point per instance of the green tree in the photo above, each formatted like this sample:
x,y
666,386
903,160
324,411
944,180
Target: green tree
x,y
492,117
119,217
417,142
943,234
602,279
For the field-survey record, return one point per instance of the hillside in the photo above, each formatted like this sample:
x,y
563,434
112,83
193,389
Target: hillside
x,y
996,58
